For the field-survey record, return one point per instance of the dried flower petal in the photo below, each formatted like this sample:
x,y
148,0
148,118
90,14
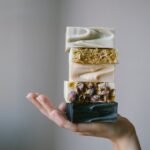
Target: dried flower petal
x,y
72,96
90,91
95,98
80,87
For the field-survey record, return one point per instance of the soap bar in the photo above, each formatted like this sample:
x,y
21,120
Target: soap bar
x,y
94,37
84,64
92,112
91,72
86,92
93,55
90,93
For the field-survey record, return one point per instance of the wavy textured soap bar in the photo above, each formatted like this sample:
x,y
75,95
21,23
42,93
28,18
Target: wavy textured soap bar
x,y
91,72
104,112
95,37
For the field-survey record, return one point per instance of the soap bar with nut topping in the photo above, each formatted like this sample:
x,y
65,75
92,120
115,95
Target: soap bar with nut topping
x,y
89,92
96,56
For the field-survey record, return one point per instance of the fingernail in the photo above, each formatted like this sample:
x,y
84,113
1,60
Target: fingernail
x,y
38,98
28,96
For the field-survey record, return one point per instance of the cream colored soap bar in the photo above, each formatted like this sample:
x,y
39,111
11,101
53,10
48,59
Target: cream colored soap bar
x,y
85,92
90,72
95,37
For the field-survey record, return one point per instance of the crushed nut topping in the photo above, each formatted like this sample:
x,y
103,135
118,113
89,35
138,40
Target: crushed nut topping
x,y
94,55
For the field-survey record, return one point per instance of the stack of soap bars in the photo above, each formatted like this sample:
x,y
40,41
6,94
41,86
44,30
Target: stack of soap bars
x,y
90,92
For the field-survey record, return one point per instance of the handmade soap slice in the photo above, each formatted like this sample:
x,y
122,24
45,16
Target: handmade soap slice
x,y
96,56
92,112
94,37
86,92
91,72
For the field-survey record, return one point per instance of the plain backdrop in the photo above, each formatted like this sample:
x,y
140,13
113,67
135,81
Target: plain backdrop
x,y
32,58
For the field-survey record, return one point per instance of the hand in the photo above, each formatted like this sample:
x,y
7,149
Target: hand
x,y
121,131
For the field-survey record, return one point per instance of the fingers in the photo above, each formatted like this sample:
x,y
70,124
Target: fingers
x,y
62,107
56,115
47,108
41,102
46,103
32,97
60,119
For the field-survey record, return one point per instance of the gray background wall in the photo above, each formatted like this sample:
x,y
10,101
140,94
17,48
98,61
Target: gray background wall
x,y
32,58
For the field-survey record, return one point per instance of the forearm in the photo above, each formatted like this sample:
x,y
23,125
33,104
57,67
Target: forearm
x,y
129,142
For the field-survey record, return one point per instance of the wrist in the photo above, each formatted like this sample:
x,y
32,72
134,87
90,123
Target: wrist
x,y
129,141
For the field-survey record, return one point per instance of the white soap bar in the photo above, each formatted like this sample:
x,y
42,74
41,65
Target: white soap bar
x,y
95,37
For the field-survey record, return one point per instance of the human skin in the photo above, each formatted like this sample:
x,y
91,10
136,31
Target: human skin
x,y
121,133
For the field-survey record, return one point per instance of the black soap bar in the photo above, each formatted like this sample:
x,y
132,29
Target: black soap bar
x,y
92,112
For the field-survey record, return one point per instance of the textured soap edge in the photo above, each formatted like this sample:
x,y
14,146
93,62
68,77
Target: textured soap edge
x,y
85,92
102,37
